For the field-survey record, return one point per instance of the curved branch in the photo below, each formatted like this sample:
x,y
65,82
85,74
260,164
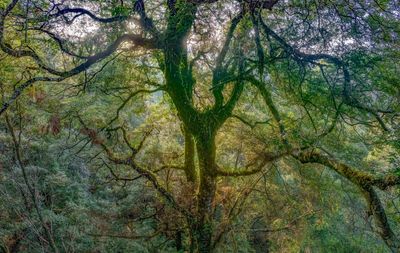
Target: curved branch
x,y
136,39
365,182
228,107
357,177
60,43
119,178
82,11
248,123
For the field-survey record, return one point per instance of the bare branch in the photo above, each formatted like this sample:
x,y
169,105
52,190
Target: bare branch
x,y
251,125
132,95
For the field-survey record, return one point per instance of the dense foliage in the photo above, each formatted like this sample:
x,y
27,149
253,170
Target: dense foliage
x,y
199,126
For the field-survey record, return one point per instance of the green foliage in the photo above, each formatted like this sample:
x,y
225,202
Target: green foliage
x,y
120,11
99,159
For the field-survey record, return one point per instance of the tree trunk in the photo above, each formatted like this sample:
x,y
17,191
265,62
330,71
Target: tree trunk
x,y
207,166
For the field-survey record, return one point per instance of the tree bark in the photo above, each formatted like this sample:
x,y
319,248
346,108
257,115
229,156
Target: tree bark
x,y
204,228
377,210
190,167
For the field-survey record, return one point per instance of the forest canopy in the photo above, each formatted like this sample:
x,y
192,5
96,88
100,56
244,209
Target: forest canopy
x,y
199,126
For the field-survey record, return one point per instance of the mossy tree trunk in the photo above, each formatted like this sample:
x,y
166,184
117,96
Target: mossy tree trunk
x,y
199,128
190,166
205,143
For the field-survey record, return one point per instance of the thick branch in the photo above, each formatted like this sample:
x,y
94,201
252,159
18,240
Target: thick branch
x,y
365,182
136,39
357,177
145,22
378,211
219,73
82,11
227,109
260,51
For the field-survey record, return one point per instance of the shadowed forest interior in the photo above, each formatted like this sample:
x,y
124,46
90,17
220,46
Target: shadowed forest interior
x,y
199,126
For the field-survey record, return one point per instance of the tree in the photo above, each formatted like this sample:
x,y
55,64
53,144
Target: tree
x,y
333,62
